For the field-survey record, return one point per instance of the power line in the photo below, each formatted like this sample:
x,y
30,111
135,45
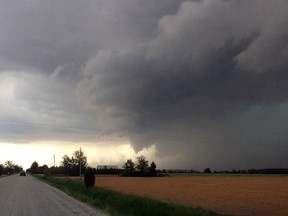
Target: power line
x,y
33,125
101,131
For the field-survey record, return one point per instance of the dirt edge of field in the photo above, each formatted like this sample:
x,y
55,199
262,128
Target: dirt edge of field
x,y
234,195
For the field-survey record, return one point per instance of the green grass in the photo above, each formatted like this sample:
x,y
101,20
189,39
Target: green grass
x,y
119,204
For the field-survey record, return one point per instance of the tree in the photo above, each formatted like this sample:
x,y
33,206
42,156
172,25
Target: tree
x,y
67,163
129,168
80,158
1,169
9,165
10,168
34,167
18,168
152,169
72,165
207,170
89,177
43,169
142,166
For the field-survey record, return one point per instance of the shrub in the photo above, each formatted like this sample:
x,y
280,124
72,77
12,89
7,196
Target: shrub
x,y
89,177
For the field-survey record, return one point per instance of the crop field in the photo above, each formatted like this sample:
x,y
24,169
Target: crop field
x,y
233,195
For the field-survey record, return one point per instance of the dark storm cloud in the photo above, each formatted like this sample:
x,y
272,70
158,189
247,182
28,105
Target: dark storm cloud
x,y
206,80
210,62
48,34
49,39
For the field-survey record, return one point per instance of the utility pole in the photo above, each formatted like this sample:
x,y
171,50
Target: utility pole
x,y
80,162
54,159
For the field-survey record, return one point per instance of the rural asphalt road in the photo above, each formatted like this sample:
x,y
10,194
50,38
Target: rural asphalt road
x,y
27,196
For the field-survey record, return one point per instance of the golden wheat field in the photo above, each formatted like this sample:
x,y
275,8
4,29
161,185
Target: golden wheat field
x,y
233,195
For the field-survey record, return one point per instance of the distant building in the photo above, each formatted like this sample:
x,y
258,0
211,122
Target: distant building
x,y
107,167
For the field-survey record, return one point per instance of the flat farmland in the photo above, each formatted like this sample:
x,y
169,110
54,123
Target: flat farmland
x,y
233,195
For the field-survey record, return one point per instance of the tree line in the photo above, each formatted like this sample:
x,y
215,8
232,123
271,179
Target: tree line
x,y
69,166
140,168
9,167
233,171
77,162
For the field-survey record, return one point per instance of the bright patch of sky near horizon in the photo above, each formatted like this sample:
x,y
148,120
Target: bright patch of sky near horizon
x,y
43,153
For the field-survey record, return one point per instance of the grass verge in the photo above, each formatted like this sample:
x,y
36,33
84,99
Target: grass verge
x,y
119,204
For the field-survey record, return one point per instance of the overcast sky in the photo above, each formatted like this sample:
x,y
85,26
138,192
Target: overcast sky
x,y
189,84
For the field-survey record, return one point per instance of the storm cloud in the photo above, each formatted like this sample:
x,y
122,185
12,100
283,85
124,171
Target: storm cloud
x,y
205,82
